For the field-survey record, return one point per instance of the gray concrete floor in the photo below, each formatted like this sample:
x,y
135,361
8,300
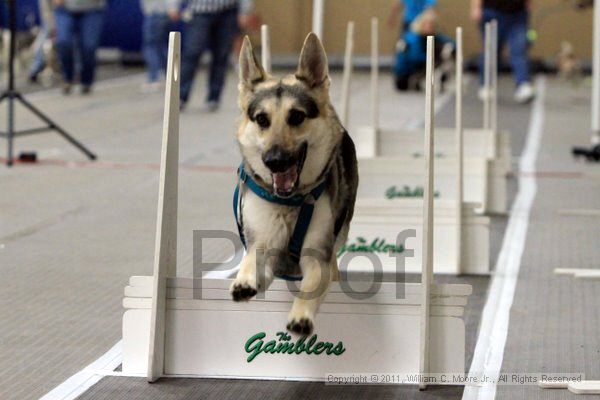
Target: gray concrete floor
x,y
72,232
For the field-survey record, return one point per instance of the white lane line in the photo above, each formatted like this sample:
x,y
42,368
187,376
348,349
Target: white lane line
x,y
489,351
84,379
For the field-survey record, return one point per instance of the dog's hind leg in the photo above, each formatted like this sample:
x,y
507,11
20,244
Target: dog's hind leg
x,y
250,280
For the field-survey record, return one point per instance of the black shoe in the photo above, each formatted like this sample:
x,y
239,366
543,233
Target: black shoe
x,y
402,82
86,89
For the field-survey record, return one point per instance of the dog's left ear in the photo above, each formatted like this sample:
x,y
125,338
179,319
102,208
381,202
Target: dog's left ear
x,y
251,72
313,68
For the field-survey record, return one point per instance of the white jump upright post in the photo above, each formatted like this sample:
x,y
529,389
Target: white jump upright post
x,y
375,76
427,249
596,76
165,254
318,17
265,44
487,70
459,142
347,77
494,78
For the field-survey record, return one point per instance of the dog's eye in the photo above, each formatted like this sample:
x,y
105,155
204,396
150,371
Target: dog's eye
x,y
262,120
296,118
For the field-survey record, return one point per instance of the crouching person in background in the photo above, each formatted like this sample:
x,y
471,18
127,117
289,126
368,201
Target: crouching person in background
x,y
420,21
78,23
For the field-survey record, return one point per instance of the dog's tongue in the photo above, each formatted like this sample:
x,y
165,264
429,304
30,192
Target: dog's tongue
x,y
283,182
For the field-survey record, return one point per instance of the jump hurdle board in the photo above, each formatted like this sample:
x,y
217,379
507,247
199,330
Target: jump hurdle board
x,y
478,144
378,175
209,337
376,225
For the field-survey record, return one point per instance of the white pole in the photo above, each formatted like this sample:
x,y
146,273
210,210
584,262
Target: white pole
x,y
486,76
427,257
459,142
375,74
265,41
165,250
344,114
596,77
494,78
318,16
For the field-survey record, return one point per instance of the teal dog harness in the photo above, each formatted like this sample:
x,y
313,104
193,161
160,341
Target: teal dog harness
x,y
306,202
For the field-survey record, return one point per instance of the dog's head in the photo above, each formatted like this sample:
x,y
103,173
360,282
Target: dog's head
x,y
288,129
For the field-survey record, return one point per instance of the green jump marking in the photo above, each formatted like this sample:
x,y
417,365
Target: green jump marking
x,y
406,192
377,245
256,345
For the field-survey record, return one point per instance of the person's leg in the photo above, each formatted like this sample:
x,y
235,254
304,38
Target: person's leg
x,y
65,25
224,34
89,40
38,63
195,42
153,42
517,40
165,29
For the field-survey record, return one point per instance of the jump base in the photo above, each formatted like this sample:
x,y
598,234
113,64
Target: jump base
x,y
215,337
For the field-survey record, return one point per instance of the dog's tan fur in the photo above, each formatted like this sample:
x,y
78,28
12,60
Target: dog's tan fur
x,y
329,156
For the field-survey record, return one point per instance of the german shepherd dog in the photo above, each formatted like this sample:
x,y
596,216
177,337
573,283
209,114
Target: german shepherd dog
x,y
291,141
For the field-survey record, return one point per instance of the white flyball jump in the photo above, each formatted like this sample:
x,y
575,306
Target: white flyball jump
x,y
185,327
486,151
265,48
347,75
388,197
318,18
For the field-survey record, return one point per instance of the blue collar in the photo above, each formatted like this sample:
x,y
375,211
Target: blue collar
x,y
294,201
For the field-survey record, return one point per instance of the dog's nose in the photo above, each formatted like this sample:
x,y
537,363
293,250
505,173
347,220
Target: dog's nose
x,y
278,159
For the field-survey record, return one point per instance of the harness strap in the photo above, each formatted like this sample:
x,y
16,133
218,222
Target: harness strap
x,y
237,212
305,202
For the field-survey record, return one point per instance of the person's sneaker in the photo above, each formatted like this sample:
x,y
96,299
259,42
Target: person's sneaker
x,y
86,89
524,93
66,88
182,105
151,87
483,93
212,106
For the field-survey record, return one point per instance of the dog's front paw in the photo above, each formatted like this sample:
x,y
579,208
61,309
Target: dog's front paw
x,y
242,290
302,326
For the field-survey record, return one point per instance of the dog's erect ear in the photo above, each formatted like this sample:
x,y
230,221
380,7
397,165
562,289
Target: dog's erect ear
x,y
313,68
251,72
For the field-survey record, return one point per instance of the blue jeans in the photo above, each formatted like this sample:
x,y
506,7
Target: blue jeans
x,y
82,30
512,29
208,31
39,62
156,42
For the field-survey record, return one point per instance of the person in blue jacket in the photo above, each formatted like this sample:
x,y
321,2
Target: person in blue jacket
x,y
419,21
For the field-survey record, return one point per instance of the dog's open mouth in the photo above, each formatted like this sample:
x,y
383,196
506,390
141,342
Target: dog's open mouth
x,y
285,183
